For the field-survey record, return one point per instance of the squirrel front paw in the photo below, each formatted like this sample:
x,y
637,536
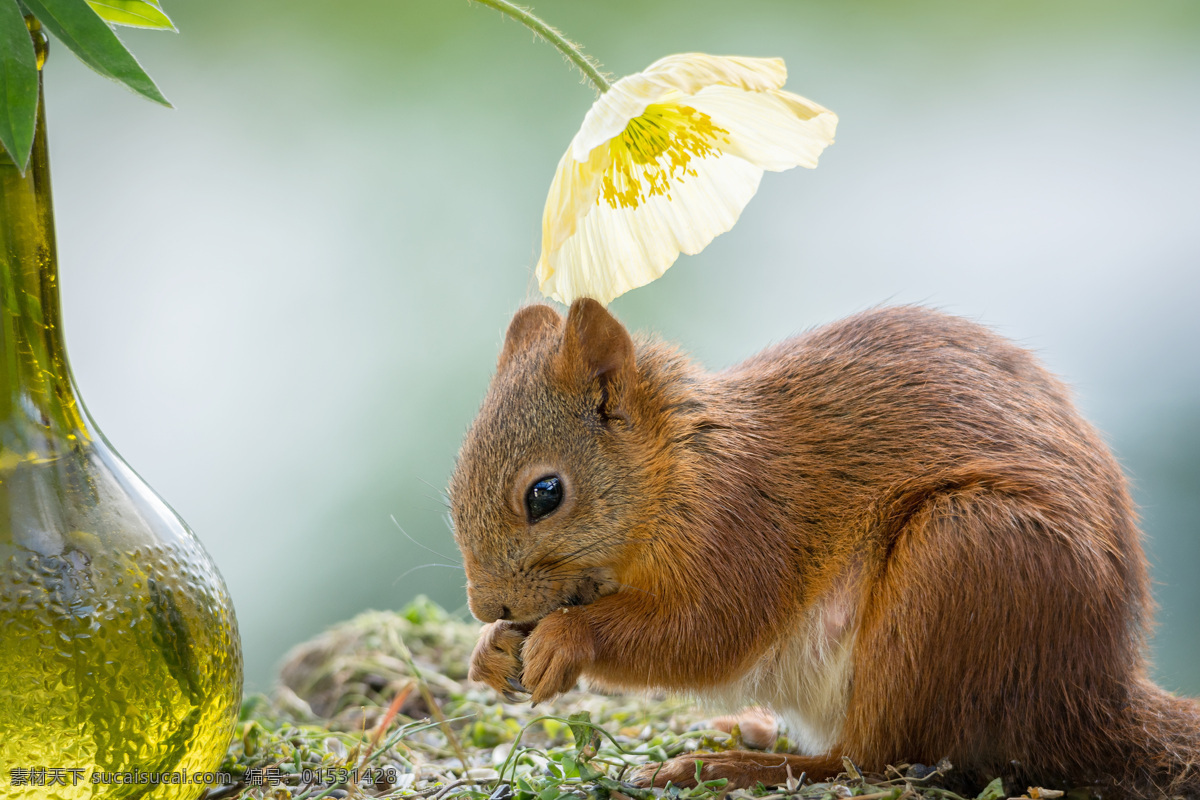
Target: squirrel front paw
x,y
496,660
555,654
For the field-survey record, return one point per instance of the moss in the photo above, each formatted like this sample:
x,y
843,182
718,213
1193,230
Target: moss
x,y
379,707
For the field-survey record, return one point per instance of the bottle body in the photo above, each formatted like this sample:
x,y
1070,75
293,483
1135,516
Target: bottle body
x,y
120,662
120,649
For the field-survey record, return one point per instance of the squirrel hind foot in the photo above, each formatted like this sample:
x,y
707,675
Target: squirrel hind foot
x,y
759,728
742,769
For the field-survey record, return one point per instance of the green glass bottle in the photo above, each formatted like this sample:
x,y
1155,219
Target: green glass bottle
x,y
120,662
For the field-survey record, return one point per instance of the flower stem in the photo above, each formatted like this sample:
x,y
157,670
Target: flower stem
x,y
574,53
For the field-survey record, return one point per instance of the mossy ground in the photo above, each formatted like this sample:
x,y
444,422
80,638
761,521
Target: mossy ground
x,y
380,707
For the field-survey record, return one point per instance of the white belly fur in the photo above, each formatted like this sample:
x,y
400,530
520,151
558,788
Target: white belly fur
x,y
804,679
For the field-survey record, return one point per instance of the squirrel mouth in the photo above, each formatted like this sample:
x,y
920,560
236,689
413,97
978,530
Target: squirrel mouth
x,y
581,590
587,590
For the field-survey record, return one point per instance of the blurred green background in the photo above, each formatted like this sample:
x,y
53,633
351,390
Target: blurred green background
x,y
283,299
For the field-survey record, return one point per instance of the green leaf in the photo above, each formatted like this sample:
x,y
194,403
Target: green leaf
x,y
993,791
18,84
581,728
78,27
131,13
587,772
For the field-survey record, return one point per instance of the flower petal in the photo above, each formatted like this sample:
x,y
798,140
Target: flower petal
x,y
775,130
617,249
690,72
668,79
572,192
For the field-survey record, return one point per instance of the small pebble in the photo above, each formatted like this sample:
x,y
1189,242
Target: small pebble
x,y
920,771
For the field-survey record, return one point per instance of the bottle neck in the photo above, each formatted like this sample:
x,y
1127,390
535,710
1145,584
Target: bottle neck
x,y
38,405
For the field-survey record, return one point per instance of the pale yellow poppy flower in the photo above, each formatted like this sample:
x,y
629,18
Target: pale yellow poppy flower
x,y
665,162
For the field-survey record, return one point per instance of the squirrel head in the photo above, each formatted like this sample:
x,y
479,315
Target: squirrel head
x,y
542,490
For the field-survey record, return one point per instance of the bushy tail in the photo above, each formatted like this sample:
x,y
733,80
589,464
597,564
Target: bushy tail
x,y
1163,745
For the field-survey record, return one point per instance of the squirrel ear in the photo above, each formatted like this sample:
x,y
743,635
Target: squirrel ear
x,y
596,347
528,325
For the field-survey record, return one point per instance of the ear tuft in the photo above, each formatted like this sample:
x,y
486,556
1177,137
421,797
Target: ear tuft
x,y
528,325
596,347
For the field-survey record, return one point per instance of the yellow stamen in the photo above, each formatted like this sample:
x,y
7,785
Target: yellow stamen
x,y
656,149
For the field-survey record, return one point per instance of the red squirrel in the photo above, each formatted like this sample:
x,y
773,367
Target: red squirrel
x,y
894,531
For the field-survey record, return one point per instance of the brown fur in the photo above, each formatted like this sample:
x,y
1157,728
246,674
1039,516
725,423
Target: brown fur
x,y
921,475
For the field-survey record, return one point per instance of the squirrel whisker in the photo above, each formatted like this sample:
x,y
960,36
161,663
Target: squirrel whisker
x,y
423,566
418,544
587,550
442,498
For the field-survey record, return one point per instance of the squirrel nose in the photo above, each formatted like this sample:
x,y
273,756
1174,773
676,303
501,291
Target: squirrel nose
x,y
489,611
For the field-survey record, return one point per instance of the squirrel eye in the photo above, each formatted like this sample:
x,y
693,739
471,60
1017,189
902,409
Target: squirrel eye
x,y
543,497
